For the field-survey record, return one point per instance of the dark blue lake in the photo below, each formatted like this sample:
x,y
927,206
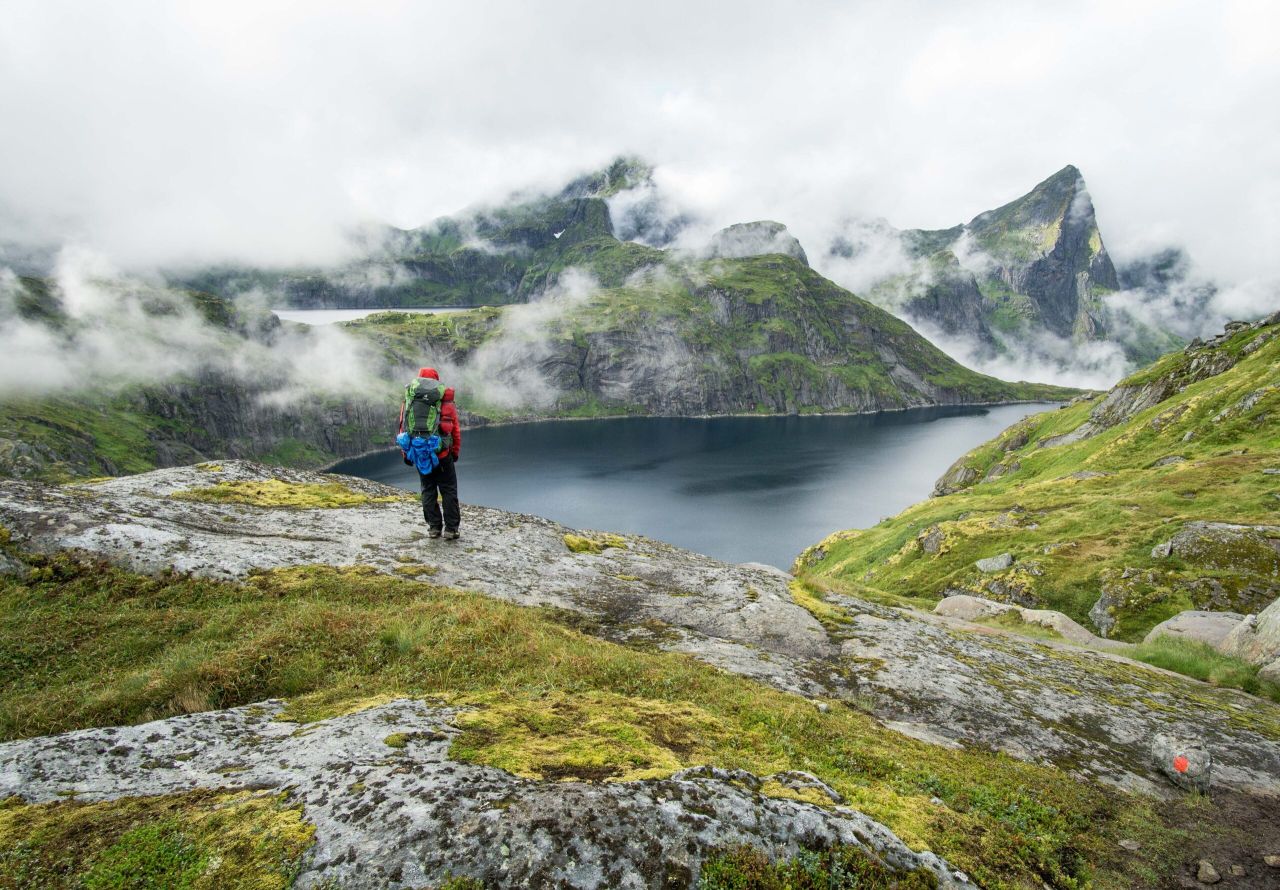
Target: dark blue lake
x,y
742,489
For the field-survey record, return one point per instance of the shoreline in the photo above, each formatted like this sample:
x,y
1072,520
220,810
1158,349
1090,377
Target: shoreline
x,y
329,468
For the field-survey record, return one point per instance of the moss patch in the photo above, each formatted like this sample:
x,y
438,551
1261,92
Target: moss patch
x,y
275,493
843,868
203,839
590,735
594,544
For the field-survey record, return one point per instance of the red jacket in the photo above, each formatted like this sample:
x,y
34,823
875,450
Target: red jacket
x,y
449,425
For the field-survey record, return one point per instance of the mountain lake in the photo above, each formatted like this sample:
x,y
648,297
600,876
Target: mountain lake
x,y
741,489
337,316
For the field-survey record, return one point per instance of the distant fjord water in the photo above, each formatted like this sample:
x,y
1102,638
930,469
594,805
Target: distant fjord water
x,y
742,489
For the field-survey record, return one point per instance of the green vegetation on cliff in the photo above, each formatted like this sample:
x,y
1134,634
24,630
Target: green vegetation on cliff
x,y
84,644
1120,510
673,335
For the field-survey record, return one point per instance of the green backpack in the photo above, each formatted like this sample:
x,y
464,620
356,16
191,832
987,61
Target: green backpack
x,y
422,399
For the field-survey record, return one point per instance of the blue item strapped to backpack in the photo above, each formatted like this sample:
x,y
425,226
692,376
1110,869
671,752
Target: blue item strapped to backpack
x,y
421,451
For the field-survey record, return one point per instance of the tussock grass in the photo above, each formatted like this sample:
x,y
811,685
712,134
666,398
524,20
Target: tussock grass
x,y
85,644
1202,661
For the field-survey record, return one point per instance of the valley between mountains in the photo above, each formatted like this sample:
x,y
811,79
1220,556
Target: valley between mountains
x,y
280,671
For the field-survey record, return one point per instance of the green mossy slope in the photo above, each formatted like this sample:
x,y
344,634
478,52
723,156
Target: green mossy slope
x,y
84,644
1080,497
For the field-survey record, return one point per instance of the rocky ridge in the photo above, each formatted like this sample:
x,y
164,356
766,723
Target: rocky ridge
x,y
929,676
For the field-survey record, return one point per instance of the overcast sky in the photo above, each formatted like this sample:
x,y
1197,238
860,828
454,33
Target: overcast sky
x,y
166,132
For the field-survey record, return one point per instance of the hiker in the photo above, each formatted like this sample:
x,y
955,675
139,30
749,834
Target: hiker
x,y
430,439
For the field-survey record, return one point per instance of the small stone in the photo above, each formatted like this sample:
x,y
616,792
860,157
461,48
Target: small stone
x,y
995,563
1160,551
11,566
822,707
1188,435
1272,471
1237,871
1206,873
1272,861
1131,846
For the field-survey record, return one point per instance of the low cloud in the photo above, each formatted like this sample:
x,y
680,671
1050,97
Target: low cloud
x,y
506,371
113,331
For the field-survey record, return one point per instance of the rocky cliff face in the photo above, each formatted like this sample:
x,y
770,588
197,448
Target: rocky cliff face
x,y
1035,266
757,334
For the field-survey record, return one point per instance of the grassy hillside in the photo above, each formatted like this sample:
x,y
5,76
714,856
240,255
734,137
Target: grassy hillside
x,y
84,644
1098,502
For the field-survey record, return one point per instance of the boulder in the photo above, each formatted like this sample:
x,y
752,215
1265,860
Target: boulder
x,y
932,540
1100,614
970,608
1270,672
1070,630
995,563
975,608
957,478
1202,627
1186,763
1256,639
1225,545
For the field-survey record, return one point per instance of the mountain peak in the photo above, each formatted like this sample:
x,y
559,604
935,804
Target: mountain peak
x,y
1051,201
755,239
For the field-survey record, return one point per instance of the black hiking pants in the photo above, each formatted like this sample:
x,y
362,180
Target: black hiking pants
x,y
441,485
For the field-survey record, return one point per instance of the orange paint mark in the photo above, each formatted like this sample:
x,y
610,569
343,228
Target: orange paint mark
x,y
1181,763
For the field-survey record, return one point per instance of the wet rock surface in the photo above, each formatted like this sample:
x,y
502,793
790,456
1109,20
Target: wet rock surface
x,y
409,816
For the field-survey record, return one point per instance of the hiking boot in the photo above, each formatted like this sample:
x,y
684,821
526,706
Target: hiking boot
x,y
451,534
434,532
